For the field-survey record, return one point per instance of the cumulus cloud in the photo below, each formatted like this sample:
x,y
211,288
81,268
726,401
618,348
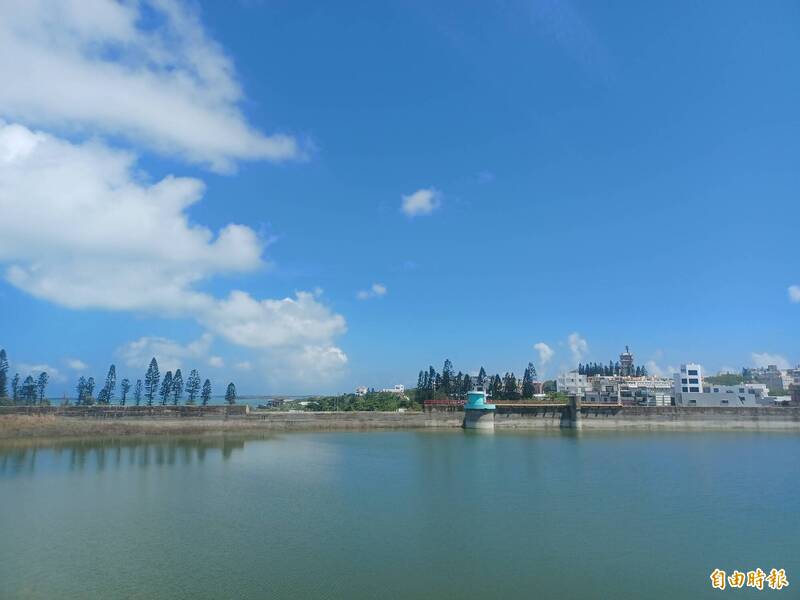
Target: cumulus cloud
x,y
76,364
92,234
84,227
764,359
545,353
578,346
81,229
25,369
422,202
794,293
376,290
170,354
216,362
145,70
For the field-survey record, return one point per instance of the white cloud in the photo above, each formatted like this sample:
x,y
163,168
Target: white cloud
x,y
170,354
93,66
25,369
245,365
764,359
794,293
578,346
653,369
216,362
421,202
90,234
76,364
546,353
376,290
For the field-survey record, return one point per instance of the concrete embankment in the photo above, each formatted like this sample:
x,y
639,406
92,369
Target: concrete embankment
x,y
54,422
777,418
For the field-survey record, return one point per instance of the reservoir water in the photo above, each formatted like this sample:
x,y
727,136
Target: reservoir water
x,y
399,515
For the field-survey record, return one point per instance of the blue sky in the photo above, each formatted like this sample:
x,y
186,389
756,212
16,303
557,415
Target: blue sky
x,y
305,198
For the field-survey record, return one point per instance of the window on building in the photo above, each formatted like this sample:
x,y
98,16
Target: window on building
x,y
717,391
694,381
685,389
693,372
741,398
694,389
684,381
724,402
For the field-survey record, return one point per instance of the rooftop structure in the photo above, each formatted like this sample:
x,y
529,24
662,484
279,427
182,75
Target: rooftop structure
x,y
626,366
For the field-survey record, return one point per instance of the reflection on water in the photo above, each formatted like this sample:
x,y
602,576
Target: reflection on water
x,y
21,457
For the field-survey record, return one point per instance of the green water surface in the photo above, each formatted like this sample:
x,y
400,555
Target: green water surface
x,y
399,515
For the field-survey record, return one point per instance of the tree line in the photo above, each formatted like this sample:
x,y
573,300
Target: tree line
x,y
609,370
449,384
28,391
167,390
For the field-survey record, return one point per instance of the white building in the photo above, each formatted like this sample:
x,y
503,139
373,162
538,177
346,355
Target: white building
x,y
397,389
572,382
689,390
688,381
361,390
646,391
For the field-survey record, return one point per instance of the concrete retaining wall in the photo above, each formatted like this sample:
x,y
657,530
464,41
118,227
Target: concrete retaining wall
x,y
118,412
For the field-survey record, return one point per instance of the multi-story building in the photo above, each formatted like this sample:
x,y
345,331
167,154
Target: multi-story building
x,y
648,391
572,383
689,390
626,366
688,381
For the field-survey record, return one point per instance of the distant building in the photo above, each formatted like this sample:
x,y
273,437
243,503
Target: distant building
x,y
689,390
645,391
572,383
688,381
626,366
397,389
361,390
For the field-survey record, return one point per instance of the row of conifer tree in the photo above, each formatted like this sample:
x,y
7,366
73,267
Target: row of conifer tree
x,y
153,389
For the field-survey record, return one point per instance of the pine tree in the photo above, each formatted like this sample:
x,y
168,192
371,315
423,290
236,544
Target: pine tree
x,y
3,374
177,387
419,392
447,376
206,393
481,376
29,390
151,380
15,388
527,381
510,387
81,389
137,392
166,388
125,386
497,387
90,390
230,394
466,385
111,384
192,386
41,385
581,369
